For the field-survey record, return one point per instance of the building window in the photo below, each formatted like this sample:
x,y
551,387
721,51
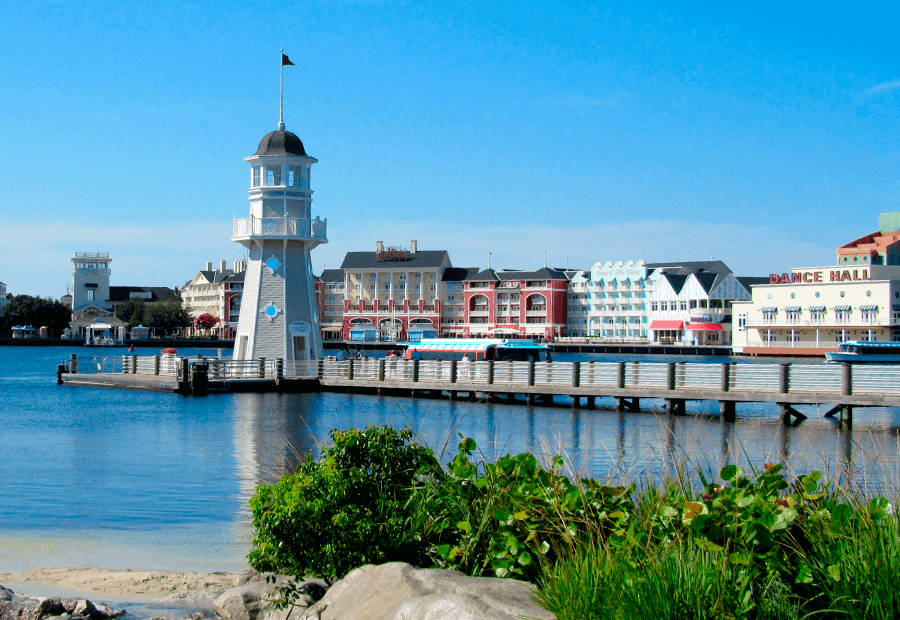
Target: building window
x,y
90,294
742,321
257,172
869,316
769,335
793,317
654,306
817,315
794,335
273,175
769,316
842,317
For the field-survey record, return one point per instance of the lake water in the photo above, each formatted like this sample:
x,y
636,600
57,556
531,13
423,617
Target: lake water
x,y
121,479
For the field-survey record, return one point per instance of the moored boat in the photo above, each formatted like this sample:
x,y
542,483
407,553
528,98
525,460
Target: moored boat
x,y
864,352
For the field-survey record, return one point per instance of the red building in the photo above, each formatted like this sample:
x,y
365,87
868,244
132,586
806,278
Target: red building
x,y
516,303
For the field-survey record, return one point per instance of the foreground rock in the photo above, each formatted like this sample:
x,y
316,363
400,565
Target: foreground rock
x,y
254,598
15,606
398,591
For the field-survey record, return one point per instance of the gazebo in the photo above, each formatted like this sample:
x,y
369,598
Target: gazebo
x,y
140,333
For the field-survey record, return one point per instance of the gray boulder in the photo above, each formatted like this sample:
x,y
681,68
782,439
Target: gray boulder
x,y
254,598
398,591
15,606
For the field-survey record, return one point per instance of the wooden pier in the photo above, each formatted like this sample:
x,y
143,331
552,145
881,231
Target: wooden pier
x,y
841,388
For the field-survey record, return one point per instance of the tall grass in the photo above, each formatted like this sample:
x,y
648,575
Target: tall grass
x,y
840,560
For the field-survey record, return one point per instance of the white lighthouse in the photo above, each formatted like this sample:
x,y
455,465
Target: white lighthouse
x,y
279,316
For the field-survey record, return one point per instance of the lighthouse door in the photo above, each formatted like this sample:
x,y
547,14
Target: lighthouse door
x,y
301,351
300,332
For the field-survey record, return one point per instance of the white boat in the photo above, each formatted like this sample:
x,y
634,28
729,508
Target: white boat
x,y
863,352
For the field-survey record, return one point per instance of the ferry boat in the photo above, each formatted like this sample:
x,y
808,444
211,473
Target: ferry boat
x,y
479,350
861,352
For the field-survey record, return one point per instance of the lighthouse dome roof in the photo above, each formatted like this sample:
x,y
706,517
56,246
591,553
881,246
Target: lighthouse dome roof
x,y
281,142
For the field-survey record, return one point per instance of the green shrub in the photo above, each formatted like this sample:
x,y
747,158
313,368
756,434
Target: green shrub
x,y
509,518
345,510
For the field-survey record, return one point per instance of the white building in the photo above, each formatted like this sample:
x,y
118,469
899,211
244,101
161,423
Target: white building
x,y
94,301
393,290
279,315
695,308
217,292
643,302
3,300
812,310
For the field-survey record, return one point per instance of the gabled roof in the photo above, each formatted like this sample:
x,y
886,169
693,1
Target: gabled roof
x,y
709,281
675,281
486,275
544,273
686,267
236,277
332,275
459,274
214,275
424,259
748,281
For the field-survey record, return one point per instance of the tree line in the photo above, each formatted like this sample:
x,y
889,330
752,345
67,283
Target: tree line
x,y
164,318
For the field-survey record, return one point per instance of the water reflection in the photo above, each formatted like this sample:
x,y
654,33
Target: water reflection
x,y
273,431
141,462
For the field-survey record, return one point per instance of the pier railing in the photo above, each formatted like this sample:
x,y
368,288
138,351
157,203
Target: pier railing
x,y
843,379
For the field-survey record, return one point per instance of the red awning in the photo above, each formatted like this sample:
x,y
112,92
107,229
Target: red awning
x,y
701,326
657,325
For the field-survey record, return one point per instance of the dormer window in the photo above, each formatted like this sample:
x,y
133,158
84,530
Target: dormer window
x,y
273,175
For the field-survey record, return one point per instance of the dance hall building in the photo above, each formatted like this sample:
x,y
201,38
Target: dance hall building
x,y
812,310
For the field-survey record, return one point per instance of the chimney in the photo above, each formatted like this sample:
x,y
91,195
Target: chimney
x,y
379,247
223,265
240,265
208,266
412,246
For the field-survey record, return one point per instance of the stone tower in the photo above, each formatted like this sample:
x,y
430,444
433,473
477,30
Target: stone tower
x,y
279,315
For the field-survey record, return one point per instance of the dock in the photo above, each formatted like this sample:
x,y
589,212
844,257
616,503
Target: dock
x,y
841,388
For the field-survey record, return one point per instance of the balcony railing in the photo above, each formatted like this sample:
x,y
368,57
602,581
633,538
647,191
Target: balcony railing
x,y
785,344
541,312
279,227
824,323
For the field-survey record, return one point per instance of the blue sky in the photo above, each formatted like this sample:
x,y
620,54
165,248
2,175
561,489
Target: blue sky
x,y
761,135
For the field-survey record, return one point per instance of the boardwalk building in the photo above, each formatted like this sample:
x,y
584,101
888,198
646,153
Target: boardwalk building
x,y
812,310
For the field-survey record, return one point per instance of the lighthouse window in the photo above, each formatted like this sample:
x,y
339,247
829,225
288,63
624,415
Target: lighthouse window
x,y
257,173
294,176
273,175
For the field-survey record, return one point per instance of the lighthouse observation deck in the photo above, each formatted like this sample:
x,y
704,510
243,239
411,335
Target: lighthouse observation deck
x,y
251,227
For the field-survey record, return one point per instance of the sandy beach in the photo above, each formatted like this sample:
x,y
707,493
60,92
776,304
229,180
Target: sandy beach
x,y
115,585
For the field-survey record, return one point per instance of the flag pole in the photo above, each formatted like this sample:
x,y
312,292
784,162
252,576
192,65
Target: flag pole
x,y
281,99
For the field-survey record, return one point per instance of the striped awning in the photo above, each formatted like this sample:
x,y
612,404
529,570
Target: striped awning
x,y
842,308
817,308
792,309
768,309
869,307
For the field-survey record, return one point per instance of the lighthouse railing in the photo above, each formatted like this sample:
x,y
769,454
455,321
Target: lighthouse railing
x,y
279,227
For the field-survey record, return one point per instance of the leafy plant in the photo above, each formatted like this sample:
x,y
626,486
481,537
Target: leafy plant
x,y
347,509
